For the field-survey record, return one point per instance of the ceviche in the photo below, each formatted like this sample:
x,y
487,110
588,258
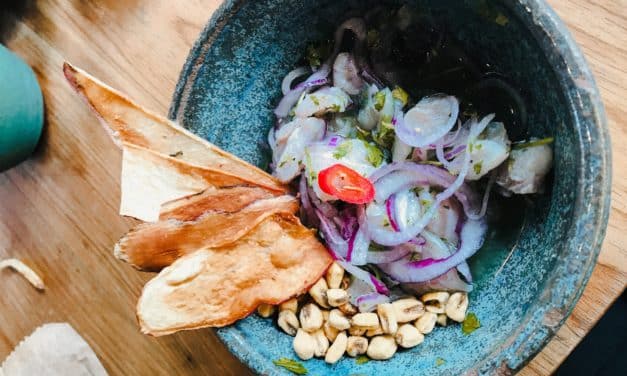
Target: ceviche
x,y
398,188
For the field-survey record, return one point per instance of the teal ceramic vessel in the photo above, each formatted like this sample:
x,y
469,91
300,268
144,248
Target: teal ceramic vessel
x,y
231,83
21,110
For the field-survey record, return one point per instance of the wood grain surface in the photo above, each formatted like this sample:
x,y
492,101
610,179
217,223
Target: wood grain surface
x,y
58,210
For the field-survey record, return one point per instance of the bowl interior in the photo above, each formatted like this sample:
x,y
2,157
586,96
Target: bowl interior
x,y
232,83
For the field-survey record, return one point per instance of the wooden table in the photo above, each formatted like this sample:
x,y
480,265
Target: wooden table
x,y
58,210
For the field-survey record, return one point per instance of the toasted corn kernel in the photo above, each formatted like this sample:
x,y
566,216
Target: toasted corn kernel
x,y
338,320
288,322
435,301
265,310
408,336
319,293
310,318
456,306
366,320
330,331
304,345
442,319
348,309
322,343
408,309
374,332
387,316
426,322
356,345
337,349
289,305
356,331
337,297
334,276
382,347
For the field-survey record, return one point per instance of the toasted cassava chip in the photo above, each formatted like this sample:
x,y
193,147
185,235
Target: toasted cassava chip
x,y
228,200
153,246
214,287
127,122
150,179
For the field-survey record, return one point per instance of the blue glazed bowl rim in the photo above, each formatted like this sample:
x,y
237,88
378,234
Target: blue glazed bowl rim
x,y
591,208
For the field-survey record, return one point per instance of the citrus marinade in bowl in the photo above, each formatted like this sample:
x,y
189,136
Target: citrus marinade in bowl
x,y
398,188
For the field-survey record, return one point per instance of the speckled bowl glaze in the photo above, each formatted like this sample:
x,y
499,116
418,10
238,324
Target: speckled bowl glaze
x,y
231,82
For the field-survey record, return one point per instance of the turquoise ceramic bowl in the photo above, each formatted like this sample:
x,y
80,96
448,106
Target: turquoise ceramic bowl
x,y
231,82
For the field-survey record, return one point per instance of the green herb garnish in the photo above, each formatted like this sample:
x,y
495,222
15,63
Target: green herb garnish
x,y
470,324
335,108
501,19
439,361
433,163
362,359
315,100
532,143
401,95
477,167
384,134
375,155
291,365
342,149
379,100
282,163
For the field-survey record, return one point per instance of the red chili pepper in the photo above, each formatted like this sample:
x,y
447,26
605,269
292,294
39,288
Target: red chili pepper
x,y
346,184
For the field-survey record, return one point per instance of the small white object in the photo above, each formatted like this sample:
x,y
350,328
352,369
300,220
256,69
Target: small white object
x,y
25,271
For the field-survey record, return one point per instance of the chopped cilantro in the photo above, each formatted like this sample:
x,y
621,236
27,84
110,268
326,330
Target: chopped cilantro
x,y
379,100
315,100
376,247
433,163
317,52
532,143
282,163
342,149
470,324
384,134
375,155
401,95
477,167
335,108
439,361
362,359
291,365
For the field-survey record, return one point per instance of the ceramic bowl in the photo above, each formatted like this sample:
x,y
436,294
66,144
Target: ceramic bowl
x,y
231,83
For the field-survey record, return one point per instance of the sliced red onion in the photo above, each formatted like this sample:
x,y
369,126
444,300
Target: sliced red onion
x,y
318,78
385,257
486,197
405,270
429,120
448,281
332,237
358,248
464,270
364,276
369,302
286,85
411,174
390,209
454,152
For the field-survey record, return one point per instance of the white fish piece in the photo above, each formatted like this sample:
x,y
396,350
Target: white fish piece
x,y
326,99
289,163
525,170
346,74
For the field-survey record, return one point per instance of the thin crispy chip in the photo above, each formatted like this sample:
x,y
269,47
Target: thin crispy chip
x,y
150,179
153,246
26,272
127,122
228,200
214,287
